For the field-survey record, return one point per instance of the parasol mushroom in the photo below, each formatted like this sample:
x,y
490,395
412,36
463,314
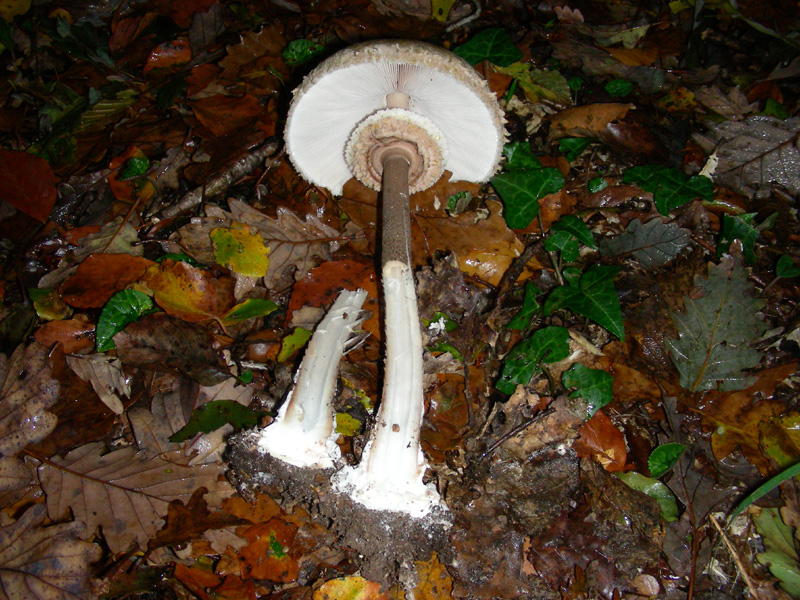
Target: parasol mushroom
x,y
396,115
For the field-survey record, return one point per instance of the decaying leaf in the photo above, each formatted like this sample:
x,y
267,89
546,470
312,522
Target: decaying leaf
x,y
350,588
26,391
713,349
756,154
106,377
44,563
124,495
654,243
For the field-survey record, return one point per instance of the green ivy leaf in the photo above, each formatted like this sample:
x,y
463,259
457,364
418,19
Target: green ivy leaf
x,y
617,88
213,415
655,489
299,51
494,45
739,228
249,309
530,307
577,228
520,157
663,458
121,309
545,345
564,242
594,297
521,191
786,267
593,385
671,188
598,184
573,146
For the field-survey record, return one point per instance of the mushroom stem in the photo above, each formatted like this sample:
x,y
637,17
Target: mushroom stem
x,y
396,213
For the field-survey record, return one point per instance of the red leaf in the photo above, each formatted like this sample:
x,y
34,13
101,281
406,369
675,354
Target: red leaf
x,y
600,439
27,182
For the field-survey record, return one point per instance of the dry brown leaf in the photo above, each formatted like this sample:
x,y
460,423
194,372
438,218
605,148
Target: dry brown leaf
x,y
124,495
100,276
44,563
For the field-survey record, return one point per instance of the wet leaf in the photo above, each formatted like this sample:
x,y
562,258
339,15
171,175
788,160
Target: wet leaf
x,y
671,188
100,276
522,190
575,226
663,458
786,267
493,44
654,489
251,308
544,345
716,331
293,342
123,308
241,251
44,563
267,555
433,580
618,88
573,147
214,415
654,243
520,157
600,439
781,555
105,376
347,425
530,307
125,496
350,588
565,243
588,121
738,227
593,385
593,297
299,51
74,335
538,84
192,294
27,183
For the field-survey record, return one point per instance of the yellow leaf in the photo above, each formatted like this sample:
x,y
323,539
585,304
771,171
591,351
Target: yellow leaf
x,y
350,588
241,251
11,8
434,581
440,9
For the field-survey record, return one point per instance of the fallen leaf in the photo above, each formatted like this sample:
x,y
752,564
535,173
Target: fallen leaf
x,y
44,563
267,556
433,580
600,439
188,292
127,497
105,376
100,276
350,588
223,115
74,335
27,183
586,121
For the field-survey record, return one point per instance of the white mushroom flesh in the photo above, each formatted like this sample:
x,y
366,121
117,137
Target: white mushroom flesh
x,y
302,434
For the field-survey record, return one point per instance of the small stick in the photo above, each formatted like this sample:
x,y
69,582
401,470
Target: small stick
x,y
735,556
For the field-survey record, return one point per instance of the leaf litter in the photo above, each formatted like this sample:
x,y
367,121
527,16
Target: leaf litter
x,y
587,414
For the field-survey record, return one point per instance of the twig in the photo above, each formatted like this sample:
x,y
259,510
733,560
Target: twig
x,y
515,430
735,556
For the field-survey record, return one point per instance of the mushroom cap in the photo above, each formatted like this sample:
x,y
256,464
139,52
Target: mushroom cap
x,y
352,85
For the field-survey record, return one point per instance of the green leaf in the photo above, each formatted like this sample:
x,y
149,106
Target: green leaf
x,y
781,554
520,157
545,345
494,45
786,267
576,227
293,342
594,298
764,489
671,188
521,191
716,330
347,425
539,83
530,307
773,108
739,228
655,489
446,347
134,167
598,184
249,309
653,243
663,458
564,242
215,414
178,257
573,146
617,88
299,51
458,202
442,319
122,308
593,385
241,251
575,83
